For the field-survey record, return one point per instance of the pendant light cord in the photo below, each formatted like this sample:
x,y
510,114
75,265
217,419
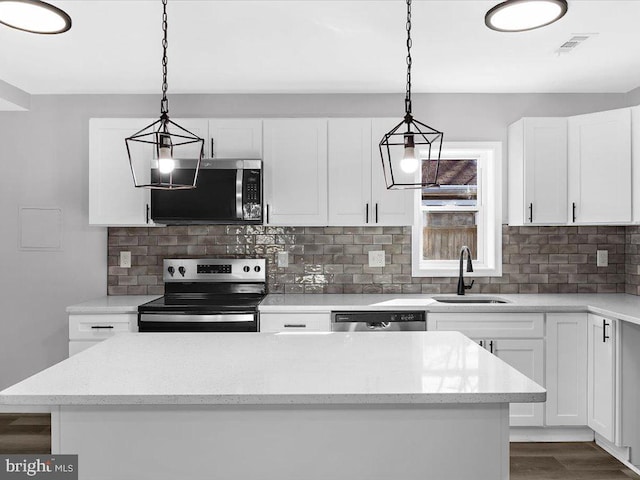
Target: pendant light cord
x,y
407,100
164,104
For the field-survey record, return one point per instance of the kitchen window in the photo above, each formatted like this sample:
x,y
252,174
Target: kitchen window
x,y
466,209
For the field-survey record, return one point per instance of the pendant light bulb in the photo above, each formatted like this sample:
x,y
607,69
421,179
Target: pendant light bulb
x,y
409,162
166,163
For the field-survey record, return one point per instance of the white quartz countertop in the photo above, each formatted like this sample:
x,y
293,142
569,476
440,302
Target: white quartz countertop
x,y
617,305
265,368
112,304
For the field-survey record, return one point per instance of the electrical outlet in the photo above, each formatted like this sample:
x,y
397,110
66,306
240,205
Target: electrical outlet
x,y
376,258
602,258
125,259
283,259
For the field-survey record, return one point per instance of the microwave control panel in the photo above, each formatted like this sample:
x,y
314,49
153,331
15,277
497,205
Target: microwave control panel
x,y
252,195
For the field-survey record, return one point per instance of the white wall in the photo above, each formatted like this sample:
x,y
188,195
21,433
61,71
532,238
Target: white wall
x,y
43,159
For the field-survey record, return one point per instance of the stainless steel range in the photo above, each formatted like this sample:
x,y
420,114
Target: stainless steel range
x,y
207,295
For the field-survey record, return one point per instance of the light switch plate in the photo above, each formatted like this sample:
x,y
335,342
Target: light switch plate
x,y
283,259
602,258
376,258
125,259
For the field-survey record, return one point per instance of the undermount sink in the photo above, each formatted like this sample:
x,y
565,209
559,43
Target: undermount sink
x,y
470,299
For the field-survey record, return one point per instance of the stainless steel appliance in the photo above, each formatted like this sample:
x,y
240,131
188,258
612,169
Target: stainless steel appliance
x,y
227,191
378,321
207,295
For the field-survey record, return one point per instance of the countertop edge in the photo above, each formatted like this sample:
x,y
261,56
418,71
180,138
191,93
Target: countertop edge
x,y
274,400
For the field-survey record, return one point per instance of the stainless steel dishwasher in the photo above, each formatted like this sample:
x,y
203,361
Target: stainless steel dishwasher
x,y
378,321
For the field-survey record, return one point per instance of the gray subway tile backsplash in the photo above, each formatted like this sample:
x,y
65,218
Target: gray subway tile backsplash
x,y
335,259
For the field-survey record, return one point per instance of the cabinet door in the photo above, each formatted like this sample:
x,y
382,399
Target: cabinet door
x,y
601,369
198,127
113,198
600,167
389,207
545,171
526,356
350,172
566,369
235,138
295,171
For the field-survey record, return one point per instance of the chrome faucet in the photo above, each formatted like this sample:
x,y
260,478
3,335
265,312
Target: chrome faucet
x,y
461,285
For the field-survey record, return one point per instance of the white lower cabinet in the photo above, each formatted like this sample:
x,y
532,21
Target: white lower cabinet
x,y
516,338
86,330
295,322
526,356
603,387
566,369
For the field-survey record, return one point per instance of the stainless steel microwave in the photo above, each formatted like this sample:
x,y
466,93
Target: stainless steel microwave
x,y
227,192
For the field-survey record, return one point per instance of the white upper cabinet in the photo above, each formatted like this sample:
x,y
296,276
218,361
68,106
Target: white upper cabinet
x,y
235,138
538,171
635,152
358,194
600,168
295,171
390,207
350,172
198,127
113,198
224,137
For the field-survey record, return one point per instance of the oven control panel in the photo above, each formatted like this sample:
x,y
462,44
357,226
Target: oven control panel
x,y
215,270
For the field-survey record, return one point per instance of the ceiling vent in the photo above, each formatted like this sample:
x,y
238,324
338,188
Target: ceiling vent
x,y
573,42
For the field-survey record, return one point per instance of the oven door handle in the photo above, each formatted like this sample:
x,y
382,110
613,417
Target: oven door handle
x,y
180,318
239,183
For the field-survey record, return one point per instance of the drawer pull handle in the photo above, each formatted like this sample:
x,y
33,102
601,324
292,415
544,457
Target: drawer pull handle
x,y
101,327
295,325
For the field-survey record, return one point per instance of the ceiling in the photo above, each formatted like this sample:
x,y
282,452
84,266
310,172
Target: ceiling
x,y
321,46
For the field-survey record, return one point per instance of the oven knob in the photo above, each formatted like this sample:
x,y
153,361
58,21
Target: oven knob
x,y
246,269
171,271
181,270
257,269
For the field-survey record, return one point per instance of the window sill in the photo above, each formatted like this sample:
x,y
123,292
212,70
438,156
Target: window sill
x,y
454,271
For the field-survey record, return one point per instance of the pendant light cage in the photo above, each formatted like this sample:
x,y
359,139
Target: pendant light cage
x,y
164,155
145,166
411,150
427,143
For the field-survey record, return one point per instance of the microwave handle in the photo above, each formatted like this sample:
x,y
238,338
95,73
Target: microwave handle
x,y
239,183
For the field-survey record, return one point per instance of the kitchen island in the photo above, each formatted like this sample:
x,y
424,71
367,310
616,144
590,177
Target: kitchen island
x,y
397,405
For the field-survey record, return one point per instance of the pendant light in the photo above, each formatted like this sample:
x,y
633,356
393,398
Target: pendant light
x,y
524,15
411,151
34,16
168,139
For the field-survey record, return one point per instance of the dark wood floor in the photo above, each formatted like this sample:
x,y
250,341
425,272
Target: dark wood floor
x,y
31,434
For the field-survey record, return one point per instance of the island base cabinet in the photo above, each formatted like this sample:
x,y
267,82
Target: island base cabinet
x,y
286,442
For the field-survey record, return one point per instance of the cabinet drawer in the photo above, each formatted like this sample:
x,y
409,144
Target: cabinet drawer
x,y
493,325
98,327
291,322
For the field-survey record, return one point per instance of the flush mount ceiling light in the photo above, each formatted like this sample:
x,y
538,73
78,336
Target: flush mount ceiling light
x,y
168,139
398,148
523,15
34,16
